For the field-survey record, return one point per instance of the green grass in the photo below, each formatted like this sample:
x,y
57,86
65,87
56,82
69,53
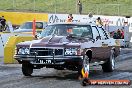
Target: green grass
x,y
100,7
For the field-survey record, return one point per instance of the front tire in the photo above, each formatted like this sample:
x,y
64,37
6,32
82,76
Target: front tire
x,y
27,69
109,66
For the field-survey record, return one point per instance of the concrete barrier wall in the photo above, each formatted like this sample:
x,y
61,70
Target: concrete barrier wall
x,y
1,50
9,49
3,39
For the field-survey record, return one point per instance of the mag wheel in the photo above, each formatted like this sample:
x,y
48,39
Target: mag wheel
x,y
27,69
109,66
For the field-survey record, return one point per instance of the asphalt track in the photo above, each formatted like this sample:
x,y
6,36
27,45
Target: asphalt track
x,y
12,77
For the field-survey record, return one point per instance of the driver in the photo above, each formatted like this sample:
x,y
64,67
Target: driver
x,y
69,30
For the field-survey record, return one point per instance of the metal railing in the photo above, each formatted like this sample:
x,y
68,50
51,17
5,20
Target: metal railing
x,y
68,6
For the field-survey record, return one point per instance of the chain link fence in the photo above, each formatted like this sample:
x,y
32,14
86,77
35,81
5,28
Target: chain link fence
x,y
69,6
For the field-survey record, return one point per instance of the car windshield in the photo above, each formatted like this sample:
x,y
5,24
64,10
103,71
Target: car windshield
x,y
67,29
27,25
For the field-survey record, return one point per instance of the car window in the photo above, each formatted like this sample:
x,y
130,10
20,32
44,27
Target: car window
x,y
95,32
48,31
83,31
27,25
39,25
66,29
45,24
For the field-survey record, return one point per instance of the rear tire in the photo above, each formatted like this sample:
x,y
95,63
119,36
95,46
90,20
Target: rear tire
x,y
109,66
27,69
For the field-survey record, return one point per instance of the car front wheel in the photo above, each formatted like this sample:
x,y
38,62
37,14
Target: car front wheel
x,y
27,69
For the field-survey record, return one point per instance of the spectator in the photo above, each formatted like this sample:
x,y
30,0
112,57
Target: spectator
x,y
122,34
112,34
99,21
3,23
118,34
70,18
115,35
79,6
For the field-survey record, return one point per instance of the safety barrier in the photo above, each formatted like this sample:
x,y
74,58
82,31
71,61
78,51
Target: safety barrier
x,y
9,49
3,39
17,18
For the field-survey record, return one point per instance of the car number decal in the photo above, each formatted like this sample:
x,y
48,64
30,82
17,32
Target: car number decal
x,y
44,61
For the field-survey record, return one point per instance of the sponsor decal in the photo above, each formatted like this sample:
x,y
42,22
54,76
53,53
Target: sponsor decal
x,y
60,18
122,22
109,82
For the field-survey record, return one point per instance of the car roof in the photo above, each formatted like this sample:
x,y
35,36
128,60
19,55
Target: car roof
x,y
35,21
74,23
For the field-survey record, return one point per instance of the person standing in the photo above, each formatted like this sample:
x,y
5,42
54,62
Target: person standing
x,y
79,6
70,18
3,23
99,22
118,34
0,24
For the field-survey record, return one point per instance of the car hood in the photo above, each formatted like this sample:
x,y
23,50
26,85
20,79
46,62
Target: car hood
x,y
54,41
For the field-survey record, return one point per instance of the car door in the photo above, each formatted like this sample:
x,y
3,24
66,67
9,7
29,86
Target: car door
x,y
106,43
100,50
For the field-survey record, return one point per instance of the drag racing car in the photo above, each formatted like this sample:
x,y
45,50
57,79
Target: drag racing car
x,y
27,26
72,46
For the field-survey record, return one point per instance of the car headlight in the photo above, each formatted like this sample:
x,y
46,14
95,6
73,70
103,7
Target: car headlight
x,y
23,51
72,51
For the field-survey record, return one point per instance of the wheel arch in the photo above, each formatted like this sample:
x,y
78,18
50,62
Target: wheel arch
x,y
89,54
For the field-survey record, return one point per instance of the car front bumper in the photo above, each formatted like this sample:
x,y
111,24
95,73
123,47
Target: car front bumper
x,y
49,60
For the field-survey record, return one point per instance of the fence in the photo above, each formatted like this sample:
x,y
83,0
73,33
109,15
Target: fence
x,y
100,7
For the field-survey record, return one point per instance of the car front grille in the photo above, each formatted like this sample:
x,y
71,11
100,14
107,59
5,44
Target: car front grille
x,y
45,51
